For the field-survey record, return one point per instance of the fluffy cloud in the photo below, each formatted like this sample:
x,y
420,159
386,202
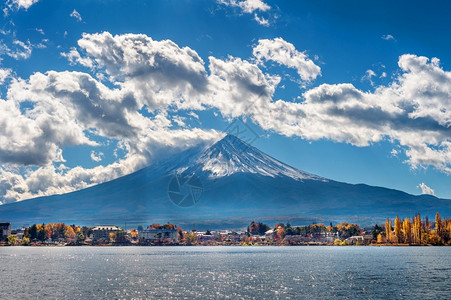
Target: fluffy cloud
x,y
159,73
238,87
49,180
284,53
413,111
56,109
4,74
425,190
135,73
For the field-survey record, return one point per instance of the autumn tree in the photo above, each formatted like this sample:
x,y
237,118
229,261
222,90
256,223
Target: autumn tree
x,y
40,232
407,230
156,226
388,230
280,233
12,239
25,241
112,236
258,228
398,234
417,229
69,233
438,225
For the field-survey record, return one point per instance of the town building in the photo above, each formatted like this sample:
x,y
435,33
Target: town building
x,y
5,230
152,235
102,232
354,239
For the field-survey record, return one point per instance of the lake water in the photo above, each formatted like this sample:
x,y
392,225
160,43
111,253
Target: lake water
x,y
225,272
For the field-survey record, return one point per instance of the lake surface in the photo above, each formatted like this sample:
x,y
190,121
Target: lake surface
x,y
225,272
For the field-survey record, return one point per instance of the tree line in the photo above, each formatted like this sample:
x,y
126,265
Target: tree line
x,y
415,231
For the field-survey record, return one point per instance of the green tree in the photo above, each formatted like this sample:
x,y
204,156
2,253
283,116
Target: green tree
x,y
376,231
80,237
438,225
33,232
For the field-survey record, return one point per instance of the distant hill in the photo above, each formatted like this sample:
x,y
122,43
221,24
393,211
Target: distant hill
x,y
225,185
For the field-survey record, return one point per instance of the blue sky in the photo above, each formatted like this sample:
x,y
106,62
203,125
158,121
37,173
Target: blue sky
x,y
354,91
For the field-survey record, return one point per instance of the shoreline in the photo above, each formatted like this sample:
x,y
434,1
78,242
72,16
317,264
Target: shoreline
x,y
233,245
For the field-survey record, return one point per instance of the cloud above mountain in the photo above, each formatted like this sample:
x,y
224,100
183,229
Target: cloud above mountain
x,y
133,88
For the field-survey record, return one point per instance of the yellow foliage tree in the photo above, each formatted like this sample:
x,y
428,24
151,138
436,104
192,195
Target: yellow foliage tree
x,y
417,229
407,230
69,233
388,230
398,233
380,239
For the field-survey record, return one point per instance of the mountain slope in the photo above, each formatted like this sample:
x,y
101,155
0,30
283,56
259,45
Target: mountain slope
x,y
233,183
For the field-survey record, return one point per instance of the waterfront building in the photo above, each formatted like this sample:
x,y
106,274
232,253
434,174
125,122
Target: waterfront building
x,y
102,232
152,235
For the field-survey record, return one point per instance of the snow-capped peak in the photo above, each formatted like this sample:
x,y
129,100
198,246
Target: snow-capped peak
x,y
231,155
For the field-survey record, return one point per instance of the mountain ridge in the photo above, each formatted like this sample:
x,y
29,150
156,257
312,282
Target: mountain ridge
x,y
237,182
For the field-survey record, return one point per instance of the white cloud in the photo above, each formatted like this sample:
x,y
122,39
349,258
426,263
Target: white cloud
x,y
4,74
158,73
387,37
262,21
12,5
21,49
413,111
74,57
284,53
54,109
425,190
247,6
96,156
250,7
76,15
67,108
369,74
394,153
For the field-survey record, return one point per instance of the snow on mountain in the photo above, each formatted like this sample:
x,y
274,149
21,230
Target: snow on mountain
x,y
235,183
231,155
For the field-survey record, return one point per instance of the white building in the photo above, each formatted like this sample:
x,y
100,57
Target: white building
x,y
158,235
102,232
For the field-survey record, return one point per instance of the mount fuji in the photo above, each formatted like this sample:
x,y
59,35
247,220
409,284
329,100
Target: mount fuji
x,y
225,185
